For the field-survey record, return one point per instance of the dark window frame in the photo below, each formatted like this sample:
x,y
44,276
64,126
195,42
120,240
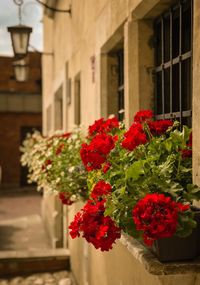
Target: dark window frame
x,y
120,87
173,63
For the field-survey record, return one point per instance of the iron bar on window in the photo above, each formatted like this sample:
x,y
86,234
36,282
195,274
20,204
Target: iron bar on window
x,y
173,54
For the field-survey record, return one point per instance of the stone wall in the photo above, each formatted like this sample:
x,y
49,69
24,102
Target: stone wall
x,y
8,84
83,44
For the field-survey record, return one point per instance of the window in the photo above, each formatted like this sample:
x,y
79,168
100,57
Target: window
x,y
120,58
48,119
173,54
77,100
59,109
112,77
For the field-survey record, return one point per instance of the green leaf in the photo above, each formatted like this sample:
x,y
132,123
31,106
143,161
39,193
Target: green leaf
x,y
134,171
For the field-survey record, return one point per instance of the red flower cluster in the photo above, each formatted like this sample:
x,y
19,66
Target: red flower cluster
x,y
65,198
95,154
60,148
47,162
66,135
188,151
103,126
96,229
143,116
100,189
134,137
157,216
106,167
158,128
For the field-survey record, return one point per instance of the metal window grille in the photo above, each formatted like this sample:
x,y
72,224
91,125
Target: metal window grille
x,y
120,88
173,60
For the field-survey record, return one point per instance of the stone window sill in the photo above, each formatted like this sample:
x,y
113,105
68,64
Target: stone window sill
x,y
153,265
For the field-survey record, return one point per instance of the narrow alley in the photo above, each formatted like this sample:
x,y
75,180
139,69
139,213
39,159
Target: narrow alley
x,y
26,257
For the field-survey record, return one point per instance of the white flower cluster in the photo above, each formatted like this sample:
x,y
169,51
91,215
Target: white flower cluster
x,y
54,162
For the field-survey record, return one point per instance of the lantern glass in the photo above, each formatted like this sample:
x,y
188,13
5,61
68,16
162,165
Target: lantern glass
x,y
20,39
21,70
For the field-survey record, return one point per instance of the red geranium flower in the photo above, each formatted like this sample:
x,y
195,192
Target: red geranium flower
x,y
143,116
186,153
65,198
95,154
106,167
95,228
134,137
158,128
90,158
110,124
47,162
157,216
66,135
100,189
103,143
96,127
101,126
190,140
75,225
60,148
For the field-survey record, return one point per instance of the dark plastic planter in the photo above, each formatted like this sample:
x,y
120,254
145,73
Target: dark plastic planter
x,y
175,248
178,249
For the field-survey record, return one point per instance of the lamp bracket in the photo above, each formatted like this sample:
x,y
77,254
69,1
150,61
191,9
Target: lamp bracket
x,y
43,53
54,9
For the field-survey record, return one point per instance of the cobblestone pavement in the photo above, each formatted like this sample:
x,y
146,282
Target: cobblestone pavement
x,y
56,278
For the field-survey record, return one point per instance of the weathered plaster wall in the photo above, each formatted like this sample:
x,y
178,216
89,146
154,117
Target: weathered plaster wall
x,y
94,29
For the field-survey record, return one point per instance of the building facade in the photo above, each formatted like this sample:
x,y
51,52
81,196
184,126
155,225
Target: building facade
x,y
109,56
20,112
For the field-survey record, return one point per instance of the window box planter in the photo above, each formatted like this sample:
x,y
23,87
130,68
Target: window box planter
x,y
178,249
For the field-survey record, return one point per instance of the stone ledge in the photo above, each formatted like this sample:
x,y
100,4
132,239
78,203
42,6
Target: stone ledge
x,y
25,262
153,265
34,254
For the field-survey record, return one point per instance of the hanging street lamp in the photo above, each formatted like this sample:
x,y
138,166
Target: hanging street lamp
x,y
20,38
20,35
21,70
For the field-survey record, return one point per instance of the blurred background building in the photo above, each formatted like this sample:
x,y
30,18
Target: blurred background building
x,y
20,113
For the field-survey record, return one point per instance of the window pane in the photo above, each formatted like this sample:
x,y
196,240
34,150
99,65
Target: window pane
x,y
158,43
159,93
186,84
186,27
121,104
120,56
121,68
175,88
167,38
167,90
175,32
187,121
175,80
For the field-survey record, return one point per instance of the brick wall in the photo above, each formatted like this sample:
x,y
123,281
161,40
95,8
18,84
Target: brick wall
x,y
7,78
16,117
10,132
